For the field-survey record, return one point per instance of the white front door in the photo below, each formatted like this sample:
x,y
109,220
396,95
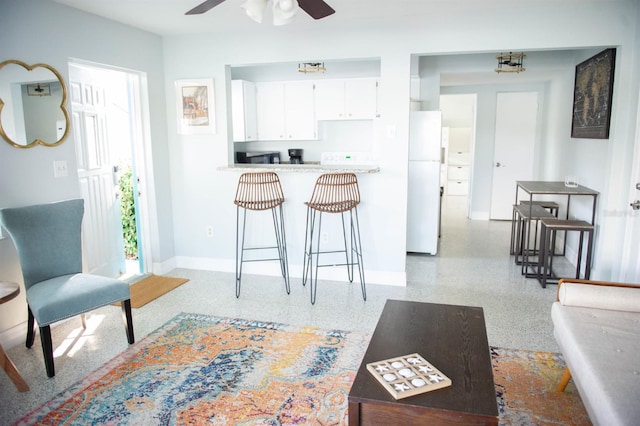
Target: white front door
x,y
630,266
516,124
102,227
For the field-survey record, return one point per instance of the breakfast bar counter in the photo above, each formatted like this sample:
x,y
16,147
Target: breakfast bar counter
x,y
300,168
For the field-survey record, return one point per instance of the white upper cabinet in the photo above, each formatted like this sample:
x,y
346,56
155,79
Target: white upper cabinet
x,y
270,111
285,111
243,106
346,99
300,118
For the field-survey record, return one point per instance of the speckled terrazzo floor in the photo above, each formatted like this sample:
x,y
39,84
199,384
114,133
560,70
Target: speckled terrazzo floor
x,y
473,267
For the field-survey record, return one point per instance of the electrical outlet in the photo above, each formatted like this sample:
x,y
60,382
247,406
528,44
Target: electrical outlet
x,y
209,231
60,169
324,237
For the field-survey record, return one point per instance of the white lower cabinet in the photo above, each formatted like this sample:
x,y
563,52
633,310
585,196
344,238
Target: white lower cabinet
x,y
457,187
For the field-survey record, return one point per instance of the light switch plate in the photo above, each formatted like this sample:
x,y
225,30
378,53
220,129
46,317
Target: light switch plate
x,y
60,169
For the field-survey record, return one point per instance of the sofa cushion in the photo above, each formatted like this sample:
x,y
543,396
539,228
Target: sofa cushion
x,y
601,349
600,297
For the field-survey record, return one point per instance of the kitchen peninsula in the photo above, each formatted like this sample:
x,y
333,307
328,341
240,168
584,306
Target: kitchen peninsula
x,y
300,168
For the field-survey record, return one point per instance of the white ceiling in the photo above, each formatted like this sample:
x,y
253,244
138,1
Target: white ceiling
x,y
166,17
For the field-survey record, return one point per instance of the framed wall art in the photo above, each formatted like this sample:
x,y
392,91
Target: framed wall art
x,y
195,106
592,96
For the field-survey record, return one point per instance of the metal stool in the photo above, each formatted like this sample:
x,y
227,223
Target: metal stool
x,y
260,191
525,215
548,230
333,193
552,206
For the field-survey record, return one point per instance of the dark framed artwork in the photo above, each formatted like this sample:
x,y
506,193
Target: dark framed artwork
x,y
592,95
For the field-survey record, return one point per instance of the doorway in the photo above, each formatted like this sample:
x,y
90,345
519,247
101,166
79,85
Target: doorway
x,y
458,138
107,123
515,139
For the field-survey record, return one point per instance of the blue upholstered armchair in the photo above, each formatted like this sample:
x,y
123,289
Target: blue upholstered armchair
x,y
48,241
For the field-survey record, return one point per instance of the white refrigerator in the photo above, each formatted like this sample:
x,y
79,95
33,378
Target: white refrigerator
x,y
423,210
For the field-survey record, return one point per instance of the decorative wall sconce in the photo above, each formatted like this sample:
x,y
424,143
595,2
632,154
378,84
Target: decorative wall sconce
x,y
311,67
510,62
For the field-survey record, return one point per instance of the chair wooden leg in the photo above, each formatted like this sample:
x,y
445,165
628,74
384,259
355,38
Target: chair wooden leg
x,y
566,376
47,350
13,373
128,320
31,329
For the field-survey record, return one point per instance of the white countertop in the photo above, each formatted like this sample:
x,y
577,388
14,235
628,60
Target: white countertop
x,y
301,168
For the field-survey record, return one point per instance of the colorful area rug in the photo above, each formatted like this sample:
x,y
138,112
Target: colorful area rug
x,y
526,385
199,369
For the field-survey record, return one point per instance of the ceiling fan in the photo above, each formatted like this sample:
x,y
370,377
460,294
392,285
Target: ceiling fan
x,y
317,9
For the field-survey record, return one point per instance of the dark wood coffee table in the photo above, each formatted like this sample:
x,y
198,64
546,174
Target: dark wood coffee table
x,y
454,340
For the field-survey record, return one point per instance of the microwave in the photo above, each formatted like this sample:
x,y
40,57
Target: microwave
x,y
258,157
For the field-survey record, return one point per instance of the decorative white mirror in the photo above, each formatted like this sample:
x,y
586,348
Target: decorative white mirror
x,y
32,105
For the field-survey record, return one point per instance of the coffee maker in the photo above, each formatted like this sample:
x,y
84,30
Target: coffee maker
x,y
295,156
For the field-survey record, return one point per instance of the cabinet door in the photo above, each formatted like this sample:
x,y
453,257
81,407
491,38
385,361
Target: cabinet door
x,y
300,120
243,107
360,98
270,111
329,99
346,99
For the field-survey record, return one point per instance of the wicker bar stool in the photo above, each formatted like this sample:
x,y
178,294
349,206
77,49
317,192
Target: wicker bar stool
x,y
260,191
333,193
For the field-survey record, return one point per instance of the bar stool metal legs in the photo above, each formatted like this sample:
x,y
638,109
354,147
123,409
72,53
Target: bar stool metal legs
x,y
333,193
260,191
548,243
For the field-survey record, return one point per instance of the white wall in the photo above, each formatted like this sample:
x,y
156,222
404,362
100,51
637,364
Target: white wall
x,y
205,193
26,175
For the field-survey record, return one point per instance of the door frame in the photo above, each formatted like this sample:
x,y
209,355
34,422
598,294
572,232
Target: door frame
x,y
630,262
142,163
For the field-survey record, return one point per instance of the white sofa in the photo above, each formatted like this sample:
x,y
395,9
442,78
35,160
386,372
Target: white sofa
x,y
597,326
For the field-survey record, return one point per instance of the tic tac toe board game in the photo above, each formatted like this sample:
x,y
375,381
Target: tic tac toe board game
x,y
408,375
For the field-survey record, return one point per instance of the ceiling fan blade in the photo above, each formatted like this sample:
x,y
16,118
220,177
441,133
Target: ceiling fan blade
x,y
317,9
204,7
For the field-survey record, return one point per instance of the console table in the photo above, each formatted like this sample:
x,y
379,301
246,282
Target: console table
x,y
454,340
9,291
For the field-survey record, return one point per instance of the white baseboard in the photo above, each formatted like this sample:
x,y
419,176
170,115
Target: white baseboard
x,y
295,271
479,215
164,267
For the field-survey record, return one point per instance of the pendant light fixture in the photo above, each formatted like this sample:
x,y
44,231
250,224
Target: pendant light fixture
x,y
311,67
510,62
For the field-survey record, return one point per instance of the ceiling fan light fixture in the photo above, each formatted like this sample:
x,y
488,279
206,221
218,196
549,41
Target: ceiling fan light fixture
x,y
284,11
255,9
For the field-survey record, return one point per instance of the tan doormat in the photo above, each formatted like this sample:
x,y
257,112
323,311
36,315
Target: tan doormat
x,y
152,287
